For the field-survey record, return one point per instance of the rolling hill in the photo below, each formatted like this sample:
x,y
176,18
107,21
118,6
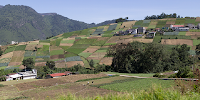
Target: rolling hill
x,y
22,23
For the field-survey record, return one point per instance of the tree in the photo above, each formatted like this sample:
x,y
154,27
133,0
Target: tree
x,y
36,48
50,64
1,52
28,63
91,63
197,50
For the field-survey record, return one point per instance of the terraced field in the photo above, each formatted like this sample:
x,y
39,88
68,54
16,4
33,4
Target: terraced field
x,y
92,43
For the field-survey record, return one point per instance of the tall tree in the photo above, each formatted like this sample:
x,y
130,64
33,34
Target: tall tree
x,y
50,64
28,63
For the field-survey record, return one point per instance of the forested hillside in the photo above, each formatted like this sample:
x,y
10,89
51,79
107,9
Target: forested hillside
x,y
22,23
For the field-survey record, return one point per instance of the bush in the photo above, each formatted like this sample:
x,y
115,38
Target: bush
x,y
172,76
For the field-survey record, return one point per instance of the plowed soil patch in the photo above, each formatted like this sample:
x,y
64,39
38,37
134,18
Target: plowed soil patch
x,y
177,42
125,41
193,47
144,40
21,67
7,55
66,44
57,56
40,64
14,63
128,24
23,43
61,65
192,33
72,63
90,50
106,61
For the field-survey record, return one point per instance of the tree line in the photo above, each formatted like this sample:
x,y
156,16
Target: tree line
x,y
163,15
137,57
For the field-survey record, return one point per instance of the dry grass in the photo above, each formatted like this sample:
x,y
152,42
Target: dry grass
x,y
106,61
66,44
192,33
14,63
153,23
144,40
7,55
61,65
17,56
55,48
128,24
177,42
105,28
30,47
72,63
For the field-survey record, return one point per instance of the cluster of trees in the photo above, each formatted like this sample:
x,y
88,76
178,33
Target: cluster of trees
x,y
121,20
163,15
1,52
137,57
4,72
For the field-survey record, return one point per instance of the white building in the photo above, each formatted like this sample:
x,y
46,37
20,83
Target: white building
x,y
22,75
13,42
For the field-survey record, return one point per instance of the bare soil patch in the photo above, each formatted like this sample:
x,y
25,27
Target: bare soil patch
x,y
23,43
192,33
125,41
21,67
106,61
177,41
128,24
61,65
72,63
57,56
95,58
98,54
90,50
144,40
14,63
40,64
197,19
193,47
39,46
7,55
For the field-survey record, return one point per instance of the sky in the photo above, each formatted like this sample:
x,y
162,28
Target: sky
x,y
93,11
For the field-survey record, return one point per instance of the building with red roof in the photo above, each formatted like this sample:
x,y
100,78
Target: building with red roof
x,y
55,75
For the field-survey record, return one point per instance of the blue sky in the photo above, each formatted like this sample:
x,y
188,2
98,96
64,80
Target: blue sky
x,y
90,11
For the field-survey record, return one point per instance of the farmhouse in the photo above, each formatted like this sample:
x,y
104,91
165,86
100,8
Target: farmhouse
x,y
198,26
56,75
191,26
174,27
22,75
13,42
183,29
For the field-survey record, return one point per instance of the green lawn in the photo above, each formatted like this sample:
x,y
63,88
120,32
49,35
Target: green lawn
x,y
86,63
65,47
181,33
131,74
107,44
10,49
85,41
20,47
137,84
196,42
3,67
67,41
56,52
84,54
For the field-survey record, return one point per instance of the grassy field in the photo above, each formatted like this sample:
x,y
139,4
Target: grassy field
x,y
161,23
135,84
20,47
67,41
180,21
181,33
85,41
84,54
44,41
196,42
157,39
3,67
86,63
56,52
131,74
65,47
10,49
70,54
43,51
